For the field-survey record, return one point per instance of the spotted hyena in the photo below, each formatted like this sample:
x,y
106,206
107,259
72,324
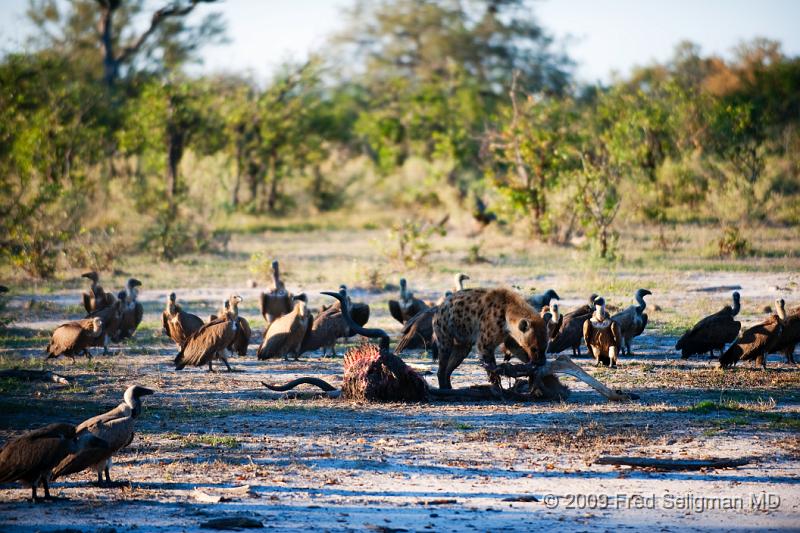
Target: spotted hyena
x,y
486,317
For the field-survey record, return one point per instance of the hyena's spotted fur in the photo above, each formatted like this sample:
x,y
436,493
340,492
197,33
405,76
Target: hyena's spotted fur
x,y
485,318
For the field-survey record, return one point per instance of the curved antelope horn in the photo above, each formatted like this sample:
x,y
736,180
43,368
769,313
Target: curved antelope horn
x,y
372,333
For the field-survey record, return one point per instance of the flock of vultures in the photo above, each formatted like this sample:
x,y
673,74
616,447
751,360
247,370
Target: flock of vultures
x,y
524,329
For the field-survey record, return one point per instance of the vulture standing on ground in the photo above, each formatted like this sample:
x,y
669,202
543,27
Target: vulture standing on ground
x,y
570,333
407,306
211,340
111,317
96,298
278,301
74,338
538,301
418,331
790,335
243,332
31,457
330,325
756,342
132,311
711,333
178,324
285,335
632,320
114,427
602,335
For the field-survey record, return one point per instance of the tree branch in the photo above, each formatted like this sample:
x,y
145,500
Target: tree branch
x,y
173,10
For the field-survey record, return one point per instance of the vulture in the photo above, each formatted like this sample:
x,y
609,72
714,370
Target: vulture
x,y
96,298
756,342
602,335
418,331
278,301
178,324
632,320
211,340
132,311
114,427
31,457
790,335
243,332
407,306
570,333
538,301
458,286
711,333
285,335
111,317
329,326
74,338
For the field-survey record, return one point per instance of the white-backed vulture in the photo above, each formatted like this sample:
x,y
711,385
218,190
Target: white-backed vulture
x,y
790,335
632,320
31,457
570,333
712,332
211,340
285,335
602,335
95,298
111,317
278,301
756,342
407,306
243,332
538,301
74,338
114,427
177,324
330,325
458,285
132,311
418,330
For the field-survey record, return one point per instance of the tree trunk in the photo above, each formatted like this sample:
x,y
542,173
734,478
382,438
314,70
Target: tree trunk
x,y
176,141
603,242
273,185
106,27
238,178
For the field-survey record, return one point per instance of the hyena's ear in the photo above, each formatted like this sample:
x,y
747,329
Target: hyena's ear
x,y
523,325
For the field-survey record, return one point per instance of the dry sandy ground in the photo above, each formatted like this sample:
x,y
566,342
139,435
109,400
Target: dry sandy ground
x,y
335,465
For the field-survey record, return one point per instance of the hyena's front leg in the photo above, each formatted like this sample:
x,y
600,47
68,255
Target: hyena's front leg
x,y
486,351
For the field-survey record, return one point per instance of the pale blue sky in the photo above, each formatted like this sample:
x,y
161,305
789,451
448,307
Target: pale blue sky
x,y
601,35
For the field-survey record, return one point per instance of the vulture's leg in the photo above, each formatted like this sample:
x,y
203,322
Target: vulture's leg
x,y
105,344
108,474
99,478
435,352
563,365
596,354
46,489
612,356
333,349
210,367
34,497
226,364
